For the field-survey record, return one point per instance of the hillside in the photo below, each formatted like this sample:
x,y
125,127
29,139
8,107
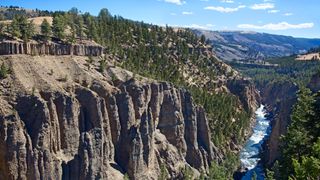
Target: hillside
x,y
147,103
240,45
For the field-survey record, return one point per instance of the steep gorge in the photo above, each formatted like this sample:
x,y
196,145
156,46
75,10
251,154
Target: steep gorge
x,y
61,117
284,96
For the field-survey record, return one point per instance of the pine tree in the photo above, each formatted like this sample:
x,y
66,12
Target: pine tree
x,y
28,30
79,27
21,28
15,27
46,29
72,37
58,26
103,19
298,158
202,39
102,65
92,29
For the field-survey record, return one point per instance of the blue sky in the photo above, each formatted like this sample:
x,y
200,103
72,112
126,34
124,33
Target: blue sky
x,y
299,18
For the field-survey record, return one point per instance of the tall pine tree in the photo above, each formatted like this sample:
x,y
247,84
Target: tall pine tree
x,y
58,26
46,30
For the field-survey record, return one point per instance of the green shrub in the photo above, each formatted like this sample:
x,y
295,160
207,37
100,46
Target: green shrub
x,y
4,71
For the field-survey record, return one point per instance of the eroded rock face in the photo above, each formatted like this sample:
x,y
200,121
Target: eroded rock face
x,y
281,96
62,118
11,48
94,134
246,91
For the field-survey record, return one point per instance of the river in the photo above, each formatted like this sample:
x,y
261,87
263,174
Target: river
x,y
250,154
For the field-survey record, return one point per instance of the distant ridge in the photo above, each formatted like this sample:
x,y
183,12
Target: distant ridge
x,y
250,45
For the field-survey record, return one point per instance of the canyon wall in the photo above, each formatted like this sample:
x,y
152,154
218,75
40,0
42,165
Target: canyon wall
x,y
280,98
95,126
62,118
86,134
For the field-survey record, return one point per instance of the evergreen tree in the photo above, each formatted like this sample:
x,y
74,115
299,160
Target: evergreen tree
x,y
58,26
91,32
21,28
309,166
297,138
28,30
301,150
79,27
15,27
103,20
202,39
72,36
102,65
46,29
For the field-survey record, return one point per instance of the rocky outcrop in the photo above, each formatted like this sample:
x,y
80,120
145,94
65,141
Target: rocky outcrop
x,y
62,118
246,91
57,49
104,131
280,98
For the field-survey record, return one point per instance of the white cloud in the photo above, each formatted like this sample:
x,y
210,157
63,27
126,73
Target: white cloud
x,y
278,26
177,2
273,11
262,6
173,14
204,0
288,14
227,1
224,9
187,13
267,0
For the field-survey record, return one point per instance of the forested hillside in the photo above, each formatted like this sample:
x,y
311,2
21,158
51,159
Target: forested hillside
x,y
281,69
177,56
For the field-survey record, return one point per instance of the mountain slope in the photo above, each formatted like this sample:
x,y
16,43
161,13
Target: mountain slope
x,y
240,45
154,102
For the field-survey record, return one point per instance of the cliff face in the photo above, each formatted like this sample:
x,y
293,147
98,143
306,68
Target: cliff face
x,y
14,47
281,96
96,125
314,84
247,93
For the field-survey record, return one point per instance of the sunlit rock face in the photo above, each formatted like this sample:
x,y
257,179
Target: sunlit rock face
x,y
94,126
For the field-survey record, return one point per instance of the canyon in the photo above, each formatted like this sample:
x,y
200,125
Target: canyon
x,y
63,118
